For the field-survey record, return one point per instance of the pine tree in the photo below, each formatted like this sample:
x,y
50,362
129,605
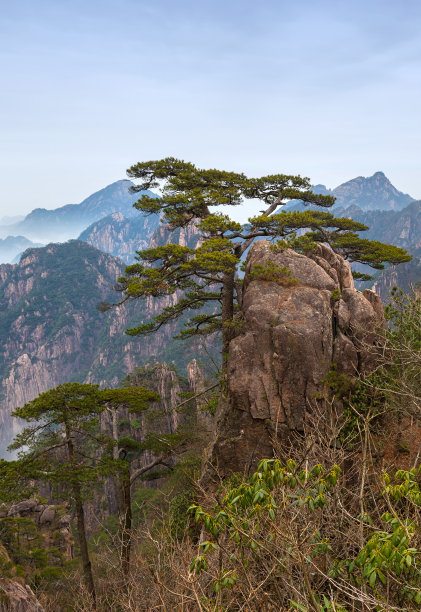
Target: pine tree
x,y
206,275
61,448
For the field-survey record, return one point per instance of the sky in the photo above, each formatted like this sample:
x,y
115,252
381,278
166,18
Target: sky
x,y
326,89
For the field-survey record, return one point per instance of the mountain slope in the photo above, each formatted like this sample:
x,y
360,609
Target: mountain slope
x,y
401,228
120,236
51,331
406,276
371,193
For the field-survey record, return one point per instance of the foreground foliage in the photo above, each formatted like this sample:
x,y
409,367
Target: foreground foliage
x,y
272,538
333,523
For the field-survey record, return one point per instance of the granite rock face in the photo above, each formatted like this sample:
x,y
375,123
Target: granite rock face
x,y
290,337
16,597
121,236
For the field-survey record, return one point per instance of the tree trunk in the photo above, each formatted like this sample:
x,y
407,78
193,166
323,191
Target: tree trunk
x,y
227,314
123,489
80,517
126,522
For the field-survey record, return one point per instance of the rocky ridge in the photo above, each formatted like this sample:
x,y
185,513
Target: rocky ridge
x,y
374,192
52,332
120,236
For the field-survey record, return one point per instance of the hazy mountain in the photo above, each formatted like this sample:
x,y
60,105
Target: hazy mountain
x,y
372,193
69,221
401,228
393,217
368,193
12,246
120,236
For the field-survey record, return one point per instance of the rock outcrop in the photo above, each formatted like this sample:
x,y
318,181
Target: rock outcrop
x,y
17,597
162,417
291,336
52,525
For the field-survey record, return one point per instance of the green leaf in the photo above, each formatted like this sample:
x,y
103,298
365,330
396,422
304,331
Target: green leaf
x,y
298,606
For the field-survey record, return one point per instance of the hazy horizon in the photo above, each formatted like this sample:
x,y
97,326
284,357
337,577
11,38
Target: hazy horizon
x,y
239,215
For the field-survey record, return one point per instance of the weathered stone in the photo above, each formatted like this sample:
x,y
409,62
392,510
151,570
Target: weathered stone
x,y
291,337
16,597
23,508
64,521
47,515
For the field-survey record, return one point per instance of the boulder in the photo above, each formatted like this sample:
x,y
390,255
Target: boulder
x,y
47,515
291,336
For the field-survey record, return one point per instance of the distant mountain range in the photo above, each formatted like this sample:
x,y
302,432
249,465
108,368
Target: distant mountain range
x,y
69,221
401,228
12,246
121,236
108,221
406,276
368,193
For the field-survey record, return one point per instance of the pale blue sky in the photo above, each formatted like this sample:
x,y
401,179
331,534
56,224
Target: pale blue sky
x,y
329,90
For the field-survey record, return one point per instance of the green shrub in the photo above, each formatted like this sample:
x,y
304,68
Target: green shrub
x,y
270,271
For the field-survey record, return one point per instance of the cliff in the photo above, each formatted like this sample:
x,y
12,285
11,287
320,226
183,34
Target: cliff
x,y
120,236
51,330
405,277
291,336
401,228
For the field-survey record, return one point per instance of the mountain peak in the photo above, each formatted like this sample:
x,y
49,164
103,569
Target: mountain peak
x,y
374,192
